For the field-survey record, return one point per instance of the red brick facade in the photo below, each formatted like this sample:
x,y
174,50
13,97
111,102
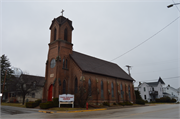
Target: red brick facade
x,y
67,70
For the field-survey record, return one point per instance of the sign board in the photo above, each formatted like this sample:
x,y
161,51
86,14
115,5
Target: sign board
x,y
66,99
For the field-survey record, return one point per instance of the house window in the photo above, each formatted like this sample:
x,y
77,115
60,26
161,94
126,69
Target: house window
x,y
145,97
64,87
89,87
76,86
65,34
121,91
33,95
112,89
144,89
152,89
102,89
54,34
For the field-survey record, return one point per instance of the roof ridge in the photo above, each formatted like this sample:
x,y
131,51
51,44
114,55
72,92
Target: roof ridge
x,y
32,75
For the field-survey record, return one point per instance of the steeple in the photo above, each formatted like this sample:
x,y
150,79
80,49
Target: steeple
x,y
61,29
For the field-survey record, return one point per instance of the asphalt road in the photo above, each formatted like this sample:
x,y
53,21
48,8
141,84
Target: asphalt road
x,y
167,111
9,110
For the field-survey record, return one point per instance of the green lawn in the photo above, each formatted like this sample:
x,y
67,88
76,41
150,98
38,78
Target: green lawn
x,y
13,104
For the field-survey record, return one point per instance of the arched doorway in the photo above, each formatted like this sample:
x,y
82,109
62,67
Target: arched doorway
x,y
50,93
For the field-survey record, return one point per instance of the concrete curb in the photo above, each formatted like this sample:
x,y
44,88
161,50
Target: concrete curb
x,y
51,112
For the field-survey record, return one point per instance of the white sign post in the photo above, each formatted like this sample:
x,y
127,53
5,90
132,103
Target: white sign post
x,y
66,99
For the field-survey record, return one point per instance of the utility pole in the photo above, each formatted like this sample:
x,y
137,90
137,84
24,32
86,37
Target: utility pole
x,y
129,67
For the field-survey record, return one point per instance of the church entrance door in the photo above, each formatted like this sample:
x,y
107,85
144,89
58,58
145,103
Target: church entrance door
x,y
50,93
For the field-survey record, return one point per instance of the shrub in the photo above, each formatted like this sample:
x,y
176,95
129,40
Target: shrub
x,y
106,104
50,104
121,103
146,101
38,102
142,102
128,103
173,100
114,103
31,104
44,105
164,99
55,102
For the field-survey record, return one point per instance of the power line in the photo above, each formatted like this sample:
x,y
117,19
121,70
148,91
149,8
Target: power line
x,y
157,79
176,6
142,42
146,39
157,63
155,71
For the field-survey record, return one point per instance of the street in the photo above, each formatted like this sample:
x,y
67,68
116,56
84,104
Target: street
x,y
10,110
168,111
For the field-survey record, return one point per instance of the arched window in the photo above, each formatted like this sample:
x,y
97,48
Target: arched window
x,y
63,63
121,91
75,86
89,87
112,89
64,87
129,90
66,62
65,34
102,89
54,34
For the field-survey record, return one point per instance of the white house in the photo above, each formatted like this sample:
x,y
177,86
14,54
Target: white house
x,y
152,90
172,92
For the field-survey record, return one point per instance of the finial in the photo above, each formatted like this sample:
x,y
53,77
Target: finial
x,y
62,12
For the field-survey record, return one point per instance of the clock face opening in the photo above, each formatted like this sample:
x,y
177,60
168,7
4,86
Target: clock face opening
x,y
53,63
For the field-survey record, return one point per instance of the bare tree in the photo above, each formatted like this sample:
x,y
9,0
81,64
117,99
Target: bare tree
x,y
25,84
84,93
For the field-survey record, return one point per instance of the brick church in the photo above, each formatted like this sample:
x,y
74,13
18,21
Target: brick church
x,y
66,70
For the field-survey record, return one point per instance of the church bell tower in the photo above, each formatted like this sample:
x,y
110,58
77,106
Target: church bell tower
x,y
58,60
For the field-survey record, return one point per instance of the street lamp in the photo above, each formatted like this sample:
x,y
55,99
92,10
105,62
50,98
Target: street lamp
x,y
172,5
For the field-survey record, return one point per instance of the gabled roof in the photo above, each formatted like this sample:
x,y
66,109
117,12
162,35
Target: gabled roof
x,y
32,78
160,80
153,84
171,88
98,66
61,20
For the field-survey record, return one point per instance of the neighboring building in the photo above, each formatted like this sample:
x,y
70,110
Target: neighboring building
x,y
35,81
152,90
67,69
171,92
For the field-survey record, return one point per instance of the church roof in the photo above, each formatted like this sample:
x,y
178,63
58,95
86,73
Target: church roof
x,y
61,20
98,66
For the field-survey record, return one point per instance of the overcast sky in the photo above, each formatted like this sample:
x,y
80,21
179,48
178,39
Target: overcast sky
x,y
103,29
